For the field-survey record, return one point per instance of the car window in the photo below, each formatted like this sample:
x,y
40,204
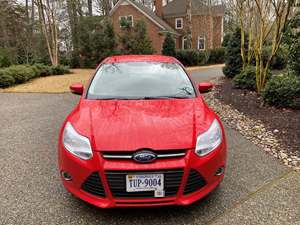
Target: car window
x,y
133,80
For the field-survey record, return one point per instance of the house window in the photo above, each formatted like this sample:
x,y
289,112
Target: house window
x,y
201,43
126,21
184,43
178,23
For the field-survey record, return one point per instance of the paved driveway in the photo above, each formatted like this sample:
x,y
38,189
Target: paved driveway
x,y
256,188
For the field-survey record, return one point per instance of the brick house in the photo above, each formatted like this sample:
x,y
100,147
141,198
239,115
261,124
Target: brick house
x,y
207,23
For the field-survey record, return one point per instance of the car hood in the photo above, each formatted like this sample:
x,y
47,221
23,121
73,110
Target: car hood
x,y
127,125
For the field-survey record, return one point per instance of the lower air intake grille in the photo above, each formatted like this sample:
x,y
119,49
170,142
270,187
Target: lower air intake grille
x,y
93,185
194,182
117,183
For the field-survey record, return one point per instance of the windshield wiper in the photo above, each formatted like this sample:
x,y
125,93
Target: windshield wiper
x,y
165,97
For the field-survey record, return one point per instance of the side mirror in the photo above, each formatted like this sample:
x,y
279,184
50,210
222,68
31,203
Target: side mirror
x,y
77,88
205,87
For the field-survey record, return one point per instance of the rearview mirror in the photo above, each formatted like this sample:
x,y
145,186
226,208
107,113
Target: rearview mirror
x,y
205,87
77,88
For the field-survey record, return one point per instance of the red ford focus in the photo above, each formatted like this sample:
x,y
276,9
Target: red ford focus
x,y
141,135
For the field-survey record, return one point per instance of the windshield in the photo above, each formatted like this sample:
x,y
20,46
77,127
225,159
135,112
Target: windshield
x,y
140,80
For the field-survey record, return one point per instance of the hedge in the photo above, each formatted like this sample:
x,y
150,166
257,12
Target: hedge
x,y
283,91
193,57
18,74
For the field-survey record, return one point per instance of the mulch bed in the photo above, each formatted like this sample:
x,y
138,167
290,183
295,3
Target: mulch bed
x,y
285,123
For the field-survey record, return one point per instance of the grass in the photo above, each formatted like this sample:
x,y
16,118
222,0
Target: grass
x,y
61,83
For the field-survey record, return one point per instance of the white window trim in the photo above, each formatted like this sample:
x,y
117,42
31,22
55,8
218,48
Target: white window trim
x,y
120,17
199,38
179,28
182,42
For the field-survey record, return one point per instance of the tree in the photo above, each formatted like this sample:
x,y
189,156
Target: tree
x,y
189,27
169,45
233,62
48,20
134,40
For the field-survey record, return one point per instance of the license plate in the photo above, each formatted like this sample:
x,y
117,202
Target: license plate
x,y
144,182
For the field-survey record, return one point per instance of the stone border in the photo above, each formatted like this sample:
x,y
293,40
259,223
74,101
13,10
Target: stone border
x,y
251,129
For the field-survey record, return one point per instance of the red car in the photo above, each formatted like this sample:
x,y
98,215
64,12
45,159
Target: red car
x,y
141,135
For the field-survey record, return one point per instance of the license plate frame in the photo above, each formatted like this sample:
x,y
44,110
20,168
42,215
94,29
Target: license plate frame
x,y
144,182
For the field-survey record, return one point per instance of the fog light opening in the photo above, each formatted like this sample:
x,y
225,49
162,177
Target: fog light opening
x,y
219,171
66,176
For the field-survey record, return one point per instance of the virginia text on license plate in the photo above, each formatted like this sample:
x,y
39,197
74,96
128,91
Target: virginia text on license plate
x,y
144,182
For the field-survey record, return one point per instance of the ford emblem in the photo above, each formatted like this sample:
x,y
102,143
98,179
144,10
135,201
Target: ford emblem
x,y
144,156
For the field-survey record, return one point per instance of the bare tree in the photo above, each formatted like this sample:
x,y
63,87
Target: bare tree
x,y
48,19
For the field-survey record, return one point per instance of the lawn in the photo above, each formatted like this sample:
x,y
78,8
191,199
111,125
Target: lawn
x,y
61,83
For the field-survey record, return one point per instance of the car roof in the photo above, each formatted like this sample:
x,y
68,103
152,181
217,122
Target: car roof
x,y
140,58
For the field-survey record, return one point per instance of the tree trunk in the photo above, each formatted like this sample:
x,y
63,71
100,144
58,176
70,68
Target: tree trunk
x,y
90,7
189,37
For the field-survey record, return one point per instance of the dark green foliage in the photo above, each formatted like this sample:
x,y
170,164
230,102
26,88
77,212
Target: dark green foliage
x,y
21,73
233,59
18,74
59,70
246,79
134,40
96,40
279,61
226,39
292,40
216,56
169,46
6,57
41,70
6,80
190,57
283,91
294,57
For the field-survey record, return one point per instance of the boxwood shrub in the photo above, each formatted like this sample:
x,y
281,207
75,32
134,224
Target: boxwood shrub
x,y
246,79
283,91
6,80
216,56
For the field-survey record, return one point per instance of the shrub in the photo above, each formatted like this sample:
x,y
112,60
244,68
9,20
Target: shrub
x,y
190,57
246,79
21,73
283,91
42,70
6,80
279,61
169,46
216,56
59,70
233,59
18,74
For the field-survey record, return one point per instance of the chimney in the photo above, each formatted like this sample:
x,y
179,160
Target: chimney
x,y
158,7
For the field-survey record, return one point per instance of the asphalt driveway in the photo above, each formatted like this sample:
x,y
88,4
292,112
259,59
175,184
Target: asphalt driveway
x,y
256,189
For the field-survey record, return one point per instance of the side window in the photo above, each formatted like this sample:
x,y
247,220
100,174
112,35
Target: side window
x,y
178,23
201,43
126,21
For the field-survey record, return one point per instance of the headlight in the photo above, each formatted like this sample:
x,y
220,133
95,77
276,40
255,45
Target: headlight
x,y
76,144
209,140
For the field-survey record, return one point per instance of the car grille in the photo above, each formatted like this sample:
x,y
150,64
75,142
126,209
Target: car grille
x,y
117,183
129,154
194,182
93,185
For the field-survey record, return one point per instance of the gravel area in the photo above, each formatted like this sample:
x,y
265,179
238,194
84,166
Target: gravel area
x,y
253,130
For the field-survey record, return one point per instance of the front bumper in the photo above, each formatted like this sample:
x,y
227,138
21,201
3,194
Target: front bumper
x,y
80,170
